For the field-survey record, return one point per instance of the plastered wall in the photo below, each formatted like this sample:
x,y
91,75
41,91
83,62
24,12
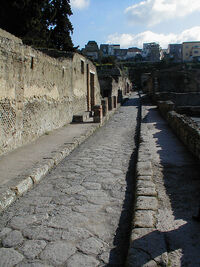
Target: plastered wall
x,y
39,93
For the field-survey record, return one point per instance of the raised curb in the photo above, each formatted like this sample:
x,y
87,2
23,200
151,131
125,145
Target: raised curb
x,y
19,186
145,209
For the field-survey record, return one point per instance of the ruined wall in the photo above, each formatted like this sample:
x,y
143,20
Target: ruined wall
x,y
180,81
185,128
179,99
39,93
112,81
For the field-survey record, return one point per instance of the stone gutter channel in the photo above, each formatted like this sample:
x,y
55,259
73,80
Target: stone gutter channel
x,y
146,203
20,185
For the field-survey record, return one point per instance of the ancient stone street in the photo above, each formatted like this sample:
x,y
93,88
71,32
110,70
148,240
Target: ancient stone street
x,y
80,214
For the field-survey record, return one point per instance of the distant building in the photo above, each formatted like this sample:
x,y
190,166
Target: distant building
x,y
133,51
112,48
121,54
91,50
175,52
151,52
191,51
104,48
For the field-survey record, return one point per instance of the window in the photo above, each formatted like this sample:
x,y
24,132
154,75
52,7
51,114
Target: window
x,y
196,52
82,66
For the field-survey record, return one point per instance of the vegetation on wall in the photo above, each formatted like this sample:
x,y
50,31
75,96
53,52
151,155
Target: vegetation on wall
x,y
40,23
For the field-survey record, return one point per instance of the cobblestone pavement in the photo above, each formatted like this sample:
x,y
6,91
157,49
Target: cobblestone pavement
x,y
79,215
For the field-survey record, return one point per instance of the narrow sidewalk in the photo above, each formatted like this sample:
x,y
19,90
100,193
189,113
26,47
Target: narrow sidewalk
x,y
167,196
22,168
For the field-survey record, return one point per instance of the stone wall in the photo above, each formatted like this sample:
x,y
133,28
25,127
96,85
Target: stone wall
x,y
179,99
113,82
184,127
39,93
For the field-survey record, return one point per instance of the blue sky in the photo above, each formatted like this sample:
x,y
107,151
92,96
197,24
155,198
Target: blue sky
x,y
133,22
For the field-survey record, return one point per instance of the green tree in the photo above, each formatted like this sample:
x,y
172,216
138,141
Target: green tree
x,y
60,25
41,23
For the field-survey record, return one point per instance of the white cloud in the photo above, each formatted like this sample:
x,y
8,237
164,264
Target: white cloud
x,y
127,40
79,4
152,12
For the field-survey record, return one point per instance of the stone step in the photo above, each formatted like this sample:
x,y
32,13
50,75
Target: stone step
x,y
81,117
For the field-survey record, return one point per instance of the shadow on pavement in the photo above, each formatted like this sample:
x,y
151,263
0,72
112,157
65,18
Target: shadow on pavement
x,y
181,175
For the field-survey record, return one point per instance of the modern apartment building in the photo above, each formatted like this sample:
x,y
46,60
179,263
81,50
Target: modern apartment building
x,y
190,51
175,52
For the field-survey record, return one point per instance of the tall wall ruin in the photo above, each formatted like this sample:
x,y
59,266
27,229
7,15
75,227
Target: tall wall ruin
x,y
39,93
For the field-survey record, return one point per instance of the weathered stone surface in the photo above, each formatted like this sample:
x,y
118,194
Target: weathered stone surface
x,y
35,263
144,218
144,168
82,260
146,203
151,242
146,191
91,246
82,207
5,231
9,257
145,184
12,239
57,253
31,248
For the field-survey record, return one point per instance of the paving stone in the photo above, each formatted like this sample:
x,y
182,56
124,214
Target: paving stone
x,y
145,178
20,222
91,246
75,234
92,186
82,260
151,242
144,168
5,231
12,239
42,233
34,263
87,208
9,257
57,252
146,184
146,203
31,248
144,218
146,191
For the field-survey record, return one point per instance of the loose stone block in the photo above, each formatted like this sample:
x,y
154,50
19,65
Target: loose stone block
x,y
144,218
146,203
